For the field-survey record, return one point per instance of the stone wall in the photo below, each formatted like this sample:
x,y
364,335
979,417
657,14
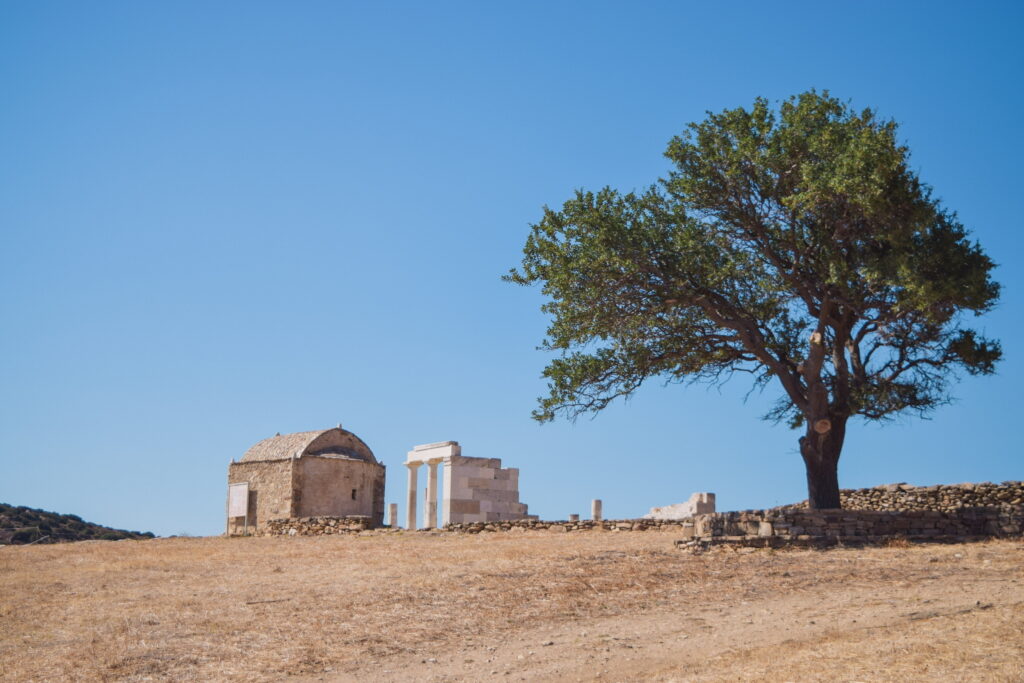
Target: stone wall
x,y
964,511
941,497
310,486
271,491
319,526
780,527
581,525
829,527
944,513
480,490
338,487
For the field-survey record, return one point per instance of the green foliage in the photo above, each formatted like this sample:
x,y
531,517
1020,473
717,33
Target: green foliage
x,y
795,244
19,524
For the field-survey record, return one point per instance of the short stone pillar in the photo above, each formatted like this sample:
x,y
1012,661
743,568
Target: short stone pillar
x,y
574,518
595,509
410,512
393,515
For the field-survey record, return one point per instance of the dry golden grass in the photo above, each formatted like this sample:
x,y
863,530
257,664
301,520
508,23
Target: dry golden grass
x,y
619,606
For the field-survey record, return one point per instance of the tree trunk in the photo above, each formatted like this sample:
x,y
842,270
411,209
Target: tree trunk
x,y
820,448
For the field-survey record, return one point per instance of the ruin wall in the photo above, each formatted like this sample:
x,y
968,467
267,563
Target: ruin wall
x,y
271,491
979,511
319,526
773,528
480,490
941,497
338,487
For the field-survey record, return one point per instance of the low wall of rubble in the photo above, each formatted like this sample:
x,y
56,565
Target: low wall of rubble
x,y
799,527
938,513
581,525
318,526
769,528
940,498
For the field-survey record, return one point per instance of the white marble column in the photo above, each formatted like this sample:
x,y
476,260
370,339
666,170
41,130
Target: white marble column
x,y
430,505
410,515
595,510
393,515
446,493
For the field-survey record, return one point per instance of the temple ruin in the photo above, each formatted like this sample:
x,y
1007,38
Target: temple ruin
x,y
699,504
475,489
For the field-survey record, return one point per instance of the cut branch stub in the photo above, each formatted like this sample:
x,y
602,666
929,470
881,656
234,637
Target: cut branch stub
x,y
823,426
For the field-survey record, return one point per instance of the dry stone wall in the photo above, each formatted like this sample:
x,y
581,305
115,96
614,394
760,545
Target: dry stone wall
x,y
935,513
319,526
941,497
581,525
829,527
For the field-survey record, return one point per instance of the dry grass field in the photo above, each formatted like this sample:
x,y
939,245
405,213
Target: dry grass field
x,y
517,606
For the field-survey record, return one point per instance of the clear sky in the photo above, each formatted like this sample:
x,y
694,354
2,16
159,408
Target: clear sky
x,y
223,220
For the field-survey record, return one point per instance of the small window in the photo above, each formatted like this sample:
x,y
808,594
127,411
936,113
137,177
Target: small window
x,y
353,494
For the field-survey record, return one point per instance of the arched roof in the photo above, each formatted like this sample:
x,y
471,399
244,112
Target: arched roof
x,y
336,442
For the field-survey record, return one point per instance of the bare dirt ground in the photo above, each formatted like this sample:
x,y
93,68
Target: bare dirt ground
x,y
517,606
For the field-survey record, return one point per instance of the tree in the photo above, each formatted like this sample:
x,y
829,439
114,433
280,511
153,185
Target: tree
x,y
794,244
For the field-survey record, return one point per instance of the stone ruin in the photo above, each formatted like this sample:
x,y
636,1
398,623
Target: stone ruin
x,y
328,472
699,504
329,482
475,489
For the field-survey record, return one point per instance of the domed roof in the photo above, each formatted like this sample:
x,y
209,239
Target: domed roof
x,y
335,442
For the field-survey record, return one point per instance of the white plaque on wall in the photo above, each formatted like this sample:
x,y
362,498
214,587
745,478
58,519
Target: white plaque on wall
x,y
238,500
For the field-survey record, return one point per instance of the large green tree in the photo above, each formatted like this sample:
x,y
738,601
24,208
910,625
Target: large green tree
x,y
794,243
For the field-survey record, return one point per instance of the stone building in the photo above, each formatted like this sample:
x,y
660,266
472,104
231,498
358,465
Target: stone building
x,y
330,472
475,489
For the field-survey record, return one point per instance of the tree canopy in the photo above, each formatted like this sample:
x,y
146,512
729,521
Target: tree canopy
x,y
793,243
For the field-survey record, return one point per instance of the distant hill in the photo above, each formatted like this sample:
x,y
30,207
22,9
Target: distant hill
x,y
20,525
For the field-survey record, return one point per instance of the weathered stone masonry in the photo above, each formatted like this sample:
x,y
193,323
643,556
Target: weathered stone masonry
x,y
327,472
475,489
319,526
968,512
941,497
772,528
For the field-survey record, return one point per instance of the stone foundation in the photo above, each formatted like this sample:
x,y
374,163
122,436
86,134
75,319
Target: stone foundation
x,y
999,513
575,525
774,528
319,526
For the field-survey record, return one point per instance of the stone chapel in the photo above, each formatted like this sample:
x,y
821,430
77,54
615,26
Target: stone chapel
x,y
330,473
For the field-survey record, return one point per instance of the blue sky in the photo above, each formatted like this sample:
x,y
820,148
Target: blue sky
x,y
219,221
